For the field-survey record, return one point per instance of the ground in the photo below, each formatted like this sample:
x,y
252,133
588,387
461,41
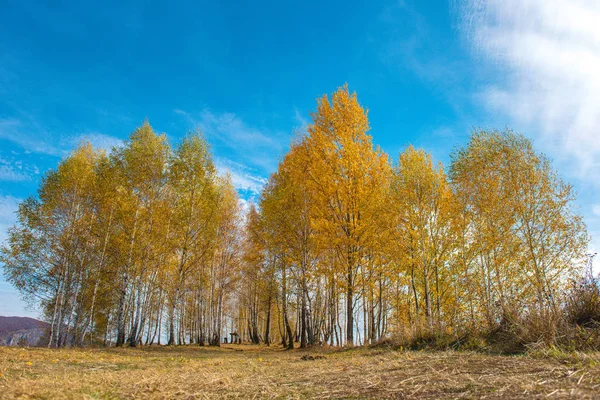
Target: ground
x,y
245,371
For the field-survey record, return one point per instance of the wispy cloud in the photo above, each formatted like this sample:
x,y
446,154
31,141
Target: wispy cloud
x,y
28,136
245,179
32,138
228,133
256,151
302,121
97,140
245,206
412,45
250,144
12,170
8,173
547,58
544,56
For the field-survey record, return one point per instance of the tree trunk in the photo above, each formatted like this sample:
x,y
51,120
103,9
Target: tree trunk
x,y
350,308
268,322
121,313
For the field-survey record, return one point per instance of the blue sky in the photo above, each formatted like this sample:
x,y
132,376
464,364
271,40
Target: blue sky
x,y
248,73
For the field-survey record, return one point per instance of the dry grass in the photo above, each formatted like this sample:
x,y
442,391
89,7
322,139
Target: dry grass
x,y
257,372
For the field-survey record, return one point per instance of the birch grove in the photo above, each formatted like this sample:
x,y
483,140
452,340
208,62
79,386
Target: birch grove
x,y
149,243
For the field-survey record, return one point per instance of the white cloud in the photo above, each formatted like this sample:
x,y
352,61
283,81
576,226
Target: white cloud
x,y
245,206
98,141
33,139
249,144
230,135
14,170
302,120
548,57
596,210
244,179
9,173
29,136
256,152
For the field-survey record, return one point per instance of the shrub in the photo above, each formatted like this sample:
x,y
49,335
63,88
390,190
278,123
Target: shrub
x,y
583,305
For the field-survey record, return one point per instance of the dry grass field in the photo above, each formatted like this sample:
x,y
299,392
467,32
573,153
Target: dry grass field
x,y
246,371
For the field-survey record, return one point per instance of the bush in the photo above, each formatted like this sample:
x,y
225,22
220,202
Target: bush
x,y
583,305
573,326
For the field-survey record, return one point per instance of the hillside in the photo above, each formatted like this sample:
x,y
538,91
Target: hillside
x,y
16,331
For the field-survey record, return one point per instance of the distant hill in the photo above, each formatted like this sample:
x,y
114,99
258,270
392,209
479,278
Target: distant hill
x,y
22,331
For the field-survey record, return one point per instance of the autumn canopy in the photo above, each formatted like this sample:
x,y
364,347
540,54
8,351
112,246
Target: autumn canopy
x,y
345,245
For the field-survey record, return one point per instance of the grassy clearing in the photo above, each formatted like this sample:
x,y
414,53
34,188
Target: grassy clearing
x,y
257,372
